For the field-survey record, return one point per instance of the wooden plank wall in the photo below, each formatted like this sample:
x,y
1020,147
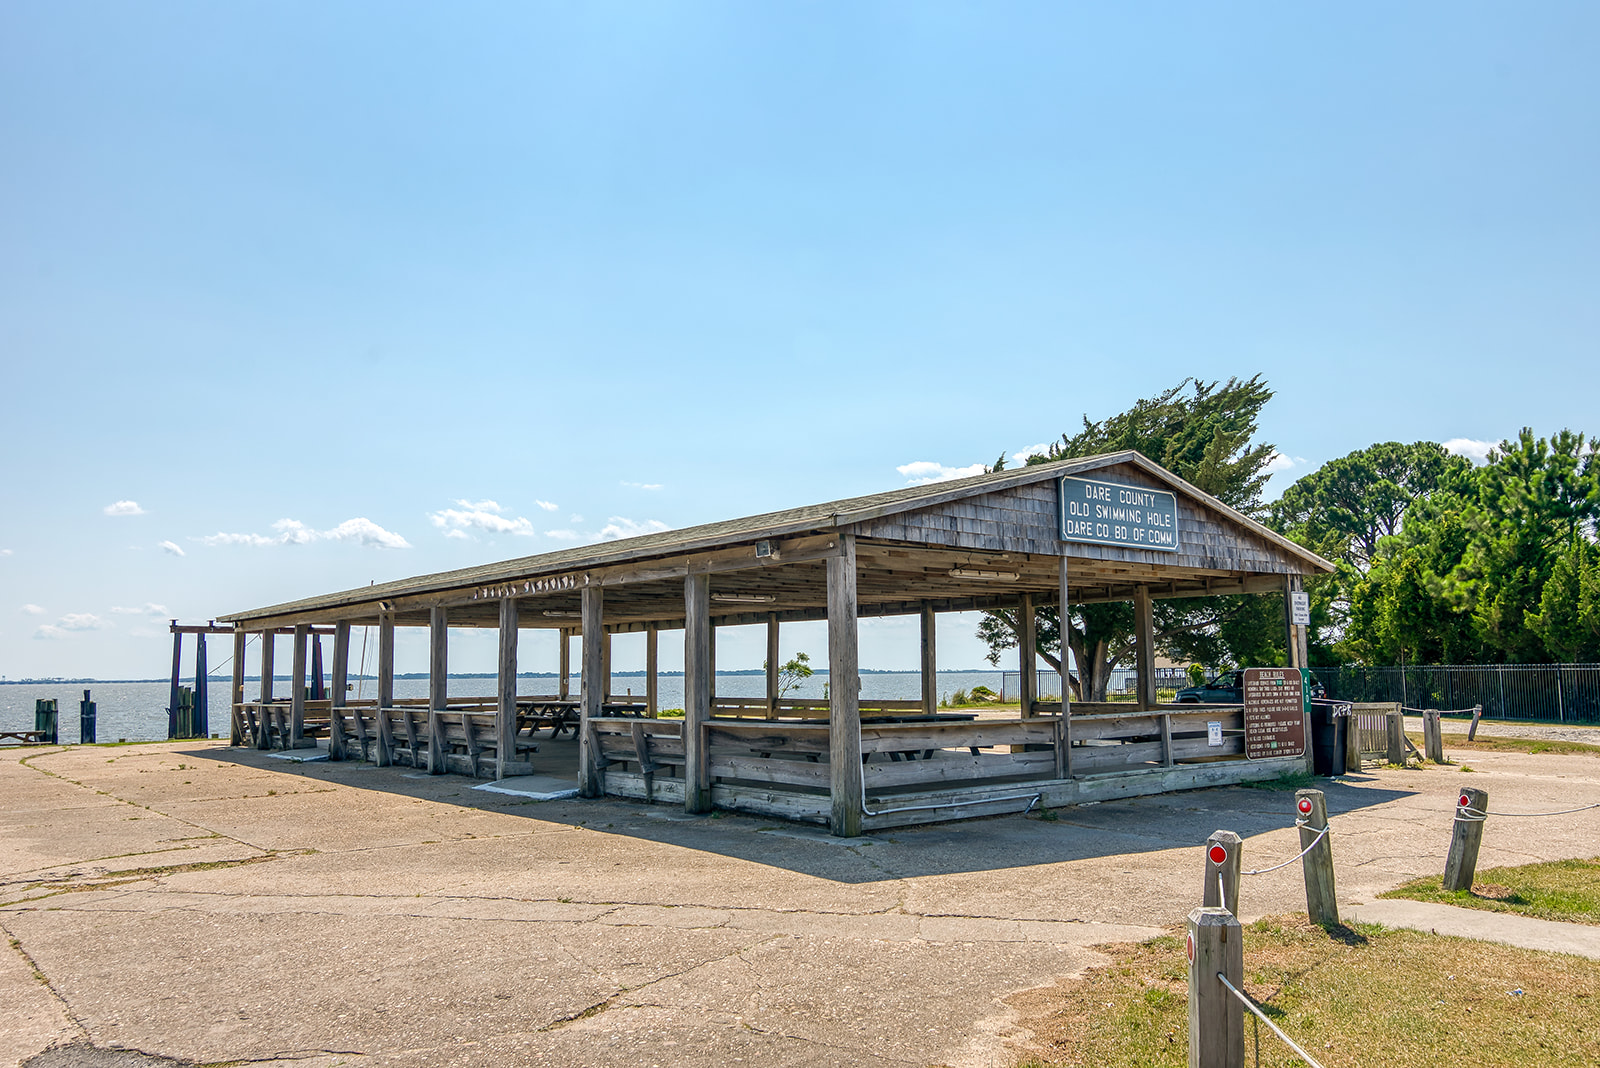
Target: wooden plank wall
x,y
1025,520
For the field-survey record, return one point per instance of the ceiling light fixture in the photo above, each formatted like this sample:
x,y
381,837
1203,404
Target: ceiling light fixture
x,y
562,615
987,576
745,598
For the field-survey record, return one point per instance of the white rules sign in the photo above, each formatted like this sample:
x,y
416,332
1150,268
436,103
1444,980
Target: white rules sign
x,y
1110,513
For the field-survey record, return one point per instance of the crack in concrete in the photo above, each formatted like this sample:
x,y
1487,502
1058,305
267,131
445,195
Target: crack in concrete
x,y
43,979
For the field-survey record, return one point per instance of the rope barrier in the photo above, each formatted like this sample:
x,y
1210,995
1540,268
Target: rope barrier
x,y
1441,711
1251,1005
1298,823
1468,814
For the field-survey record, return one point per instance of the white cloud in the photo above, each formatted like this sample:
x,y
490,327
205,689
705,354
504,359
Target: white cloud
x,y
463,535
82,621
173,547
549,506
575,518
49,632
1283,462
1477,450
562,535
5,552
123,508
922,472
149,608
621,527
294,532
479,515
31,610
1020,457
643,485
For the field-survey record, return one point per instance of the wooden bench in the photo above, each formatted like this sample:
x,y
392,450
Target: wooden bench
x,y
25,737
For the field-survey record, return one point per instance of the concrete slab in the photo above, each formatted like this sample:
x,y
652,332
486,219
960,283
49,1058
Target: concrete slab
x,y
1580,939
333,912
533,787
300,756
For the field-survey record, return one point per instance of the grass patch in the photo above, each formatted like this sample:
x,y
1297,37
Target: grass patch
x,y
1421,999
1555,890
1514,745
1288,782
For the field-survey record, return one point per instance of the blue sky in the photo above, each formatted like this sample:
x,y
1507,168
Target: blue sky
x,y
309,284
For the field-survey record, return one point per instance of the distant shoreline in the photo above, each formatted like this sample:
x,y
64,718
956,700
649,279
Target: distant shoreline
x,y
474,675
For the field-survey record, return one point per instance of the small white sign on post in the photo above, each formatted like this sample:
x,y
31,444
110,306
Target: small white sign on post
x,y
1214,733
1300,609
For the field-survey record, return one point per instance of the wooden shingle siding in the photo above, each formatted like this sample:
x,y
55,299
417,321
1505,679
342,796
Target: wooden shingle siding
x,y
1024,519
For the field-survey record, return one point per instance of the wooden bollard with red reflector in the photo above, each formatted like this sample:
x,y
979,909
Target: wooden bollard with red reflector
x,y
1216,1019
1312,809
1222,871
1462,863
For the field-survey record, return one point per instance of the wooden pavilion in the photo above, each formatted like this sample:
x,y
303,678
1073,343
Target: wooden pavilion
x,y
1104,528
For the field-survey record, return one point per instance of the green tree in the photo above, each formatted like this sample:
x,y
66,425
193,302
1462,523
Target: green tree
x,y
792,673
1204,433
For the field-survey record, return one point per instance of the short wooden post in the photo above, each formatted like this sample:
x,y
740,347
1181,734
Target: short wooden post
x,y
1432,737
1396,723
505,721
297,695
696,692
385,688
1216,1018
1321,903
844,693
236,694
1462,863
86,718
592,604
438,686
341,680
1352,743
1477,714
1221,888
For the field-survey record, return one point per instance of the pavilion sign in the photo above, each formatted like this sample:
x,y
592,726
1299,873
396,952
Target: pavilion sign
x,y
1110,513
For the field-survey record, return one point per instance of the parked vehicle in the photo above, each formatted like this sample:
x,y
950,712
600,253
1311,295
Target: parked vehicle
x,y
1228,689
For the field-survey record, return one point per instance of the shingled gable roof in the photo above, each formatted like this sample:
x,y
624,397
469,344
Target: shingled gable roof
x,y
831,515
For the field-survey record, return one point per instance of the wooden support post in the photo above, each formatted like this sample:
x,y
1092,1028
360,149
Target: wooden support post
x,y
1352,744
844,692
236,692
202,689
1396,724
930,660
605,667
1064,726
593,685
1461,865
1321,903
1216,1018
1294,635
1027,655
505,721
172,700
1433,737
385,688
269,649
652,674
711,660
696,691
564,683
772,665
438,687
1145,640
1221,888
297,696
339,696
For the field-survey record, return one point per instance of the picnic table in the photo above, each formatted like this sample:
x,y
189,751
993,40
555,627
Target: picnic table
x,y
25,737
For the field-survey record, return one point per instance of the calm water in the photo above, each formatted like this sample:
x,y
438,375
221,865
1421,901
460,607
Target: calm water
x,y
136,711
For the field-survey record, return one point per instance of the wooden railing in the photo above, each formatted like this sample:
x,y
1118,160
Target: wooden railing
x,y
803,708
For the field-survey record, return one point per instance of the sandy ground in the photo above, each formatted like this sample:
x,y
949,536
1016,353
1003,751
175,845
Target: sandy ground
x,y
190,901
